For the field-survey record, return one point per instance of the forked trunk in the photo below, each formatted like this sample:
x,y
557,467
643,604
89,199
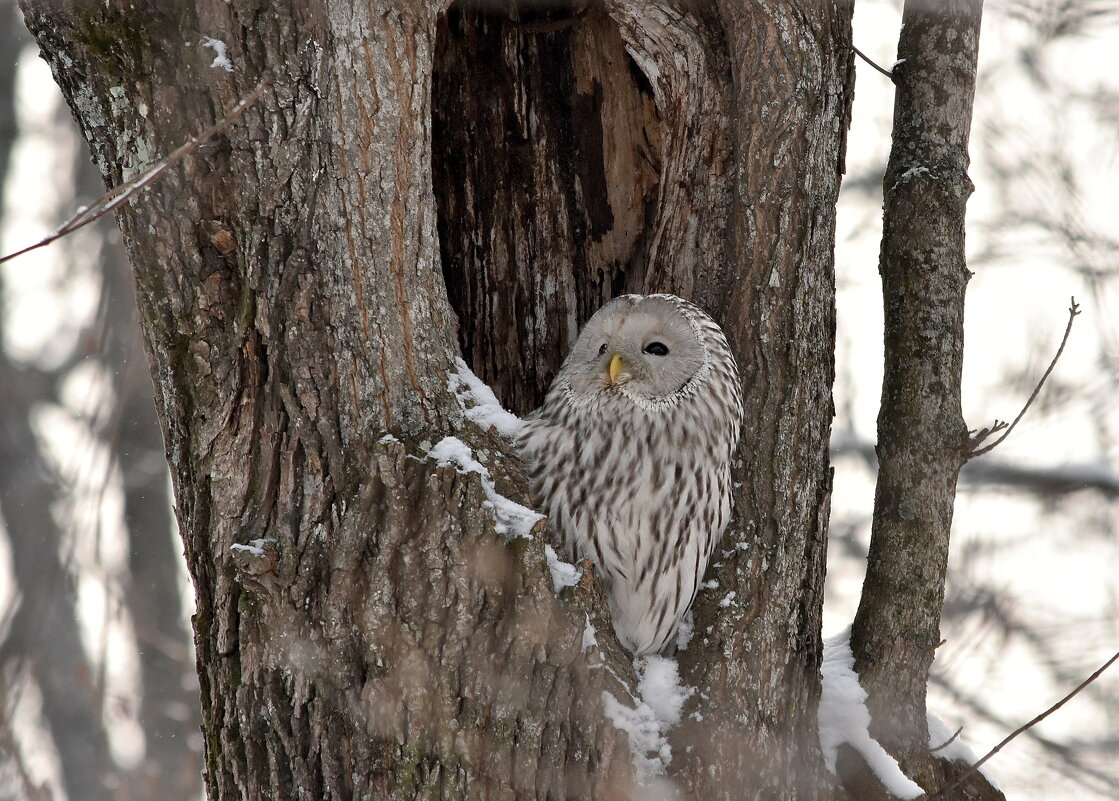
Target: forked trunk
x,y
299,280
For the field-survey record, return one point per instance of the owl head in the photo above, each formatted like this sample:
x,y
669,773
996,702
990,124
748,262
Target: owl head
x,y
642,346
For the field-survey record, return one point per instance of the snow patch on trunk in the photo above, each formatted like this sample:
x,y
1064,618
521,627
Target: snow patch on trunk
x,y
844,718
661,698
564,574
221,53
957,750
479,404
253,547
512,520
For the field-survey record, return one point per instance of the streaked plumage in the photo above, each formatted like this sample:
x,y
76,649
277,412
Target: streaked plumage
x,y
630,456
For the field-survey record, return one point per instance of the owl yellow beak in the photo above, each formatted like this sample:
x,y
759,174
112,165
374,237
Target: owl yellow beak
x,y
616,368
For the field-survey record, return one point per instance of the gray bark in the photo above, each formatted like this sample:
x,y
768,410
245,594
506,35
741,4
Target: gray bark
x,y
922,438
386,642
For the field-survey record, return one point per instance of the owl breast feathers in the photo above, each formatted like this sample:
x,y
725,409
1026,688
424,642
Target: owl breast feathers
x,y
630,456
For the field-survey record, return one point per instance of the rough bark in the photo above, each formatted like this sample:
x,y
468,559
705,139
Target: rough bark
x,y
787,107
922,437
383,639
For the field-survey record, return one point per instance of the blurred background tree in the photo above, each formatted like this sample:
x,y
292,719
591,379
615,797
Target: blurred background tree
x,y
96,664
97,693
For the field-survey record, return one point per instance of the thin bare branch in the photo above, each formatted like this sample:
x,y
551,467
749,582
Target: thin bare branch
x,y
973,451
865,58
947,742
118,194
944,791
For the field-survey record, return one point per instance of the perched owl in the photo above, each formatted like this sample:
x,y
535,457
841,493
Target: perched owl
x,y
630,456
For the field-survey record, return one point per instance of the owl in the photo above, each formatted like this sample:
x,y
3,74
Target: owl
x,y
630,453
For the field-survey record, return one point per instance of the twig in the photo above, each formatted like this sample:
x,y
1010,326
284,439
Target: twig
x,y
943,791
947,742
1073,313
866,58
118,194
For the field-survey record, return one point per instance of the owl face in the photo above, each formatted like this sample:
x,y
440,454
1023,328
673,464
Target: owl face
x,y
639,346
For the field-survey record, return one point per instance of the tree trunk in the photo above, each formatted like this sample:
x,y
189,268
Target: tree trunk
x,y
922,437
378,637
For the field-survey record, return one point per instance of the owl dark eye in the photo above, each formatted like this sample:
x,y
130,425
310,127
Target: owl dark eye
x,y
602,350
656,349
